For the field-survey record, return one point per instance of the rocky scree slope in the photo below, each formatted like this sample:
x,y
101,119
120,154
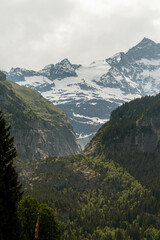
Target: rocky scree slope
x,y
89,93
40,129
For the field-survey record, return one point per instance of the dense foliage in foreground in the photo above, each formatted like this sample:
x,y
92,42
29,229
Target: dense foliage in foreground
x,y
29,212
94,198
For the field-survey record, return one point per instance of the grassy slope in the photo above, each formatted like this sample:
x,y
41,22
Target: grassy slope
x,y
33,100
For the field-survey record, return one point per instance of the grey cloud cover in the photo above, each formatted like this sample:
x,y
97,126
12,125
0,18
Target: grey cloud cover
x,y
40,32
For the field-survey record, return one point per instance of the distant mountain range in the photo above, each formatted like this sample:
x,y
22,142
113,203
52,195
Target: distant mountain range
x,y
39,128
89,93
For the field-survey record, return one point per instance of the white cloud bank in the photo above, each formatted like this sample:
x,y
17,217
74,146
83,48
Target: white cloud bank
x,y
36,33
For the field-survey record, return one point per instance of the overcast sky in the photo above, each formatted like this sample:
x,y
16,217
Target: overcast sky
x,y
35,33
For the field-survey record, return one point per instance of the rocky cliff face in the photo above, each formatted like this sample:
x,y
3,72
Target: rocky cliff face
x,y
147,139
45,139
39,128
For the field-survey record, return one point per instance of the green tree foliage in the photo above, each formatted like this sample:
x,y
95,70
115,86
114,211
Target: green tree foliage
x,y
28,210
27,213
49,228
108,204
10,188
152,234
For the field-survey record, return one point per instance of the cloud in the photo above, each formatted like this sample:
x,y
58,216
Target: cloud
x,y
40,32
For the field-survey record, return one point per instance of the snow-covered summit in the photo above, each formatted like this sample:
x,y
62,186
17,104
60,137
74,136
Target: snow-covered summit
x,y
60,70
146,42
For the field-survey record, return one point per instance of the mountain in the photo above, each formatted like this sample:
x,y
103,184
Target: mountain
x,y
89,93
112,190
40,129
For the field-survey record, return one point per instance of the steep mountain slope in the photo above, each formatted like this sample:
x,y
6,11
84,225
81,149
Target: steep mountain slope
x,y
40,129
89,93
132,139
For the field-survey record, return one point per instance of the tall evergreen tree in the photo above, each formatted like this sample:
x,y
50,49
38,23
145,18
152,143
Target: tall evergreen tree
x,y
10,188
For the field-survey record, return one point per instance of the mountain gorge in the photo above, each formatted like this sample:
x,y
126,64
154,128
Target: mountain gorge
x,y
40,129
89,93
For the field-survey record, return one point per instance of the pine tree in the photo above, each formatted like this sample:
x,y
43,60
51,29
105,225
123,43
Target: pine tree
x,y
10,188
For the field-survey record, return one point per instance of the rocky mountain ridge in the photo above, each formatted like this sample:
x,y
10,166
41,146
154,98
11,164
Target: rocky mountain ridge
x,y
89,93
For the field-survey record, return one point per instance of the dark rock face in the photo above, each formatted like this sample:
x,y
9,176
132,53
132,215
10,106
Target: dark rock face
x,y
147,138
39,130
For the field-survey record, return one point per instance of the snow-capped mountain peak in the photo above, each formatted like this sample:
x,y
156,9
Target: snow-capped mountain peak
x,y
46,71
146,42
64,66
65,62
60,70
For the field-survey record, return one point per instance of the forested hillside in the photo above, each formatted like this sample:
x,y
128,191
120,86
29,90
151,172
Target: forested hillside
x,y
112,190
132,139
92,197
